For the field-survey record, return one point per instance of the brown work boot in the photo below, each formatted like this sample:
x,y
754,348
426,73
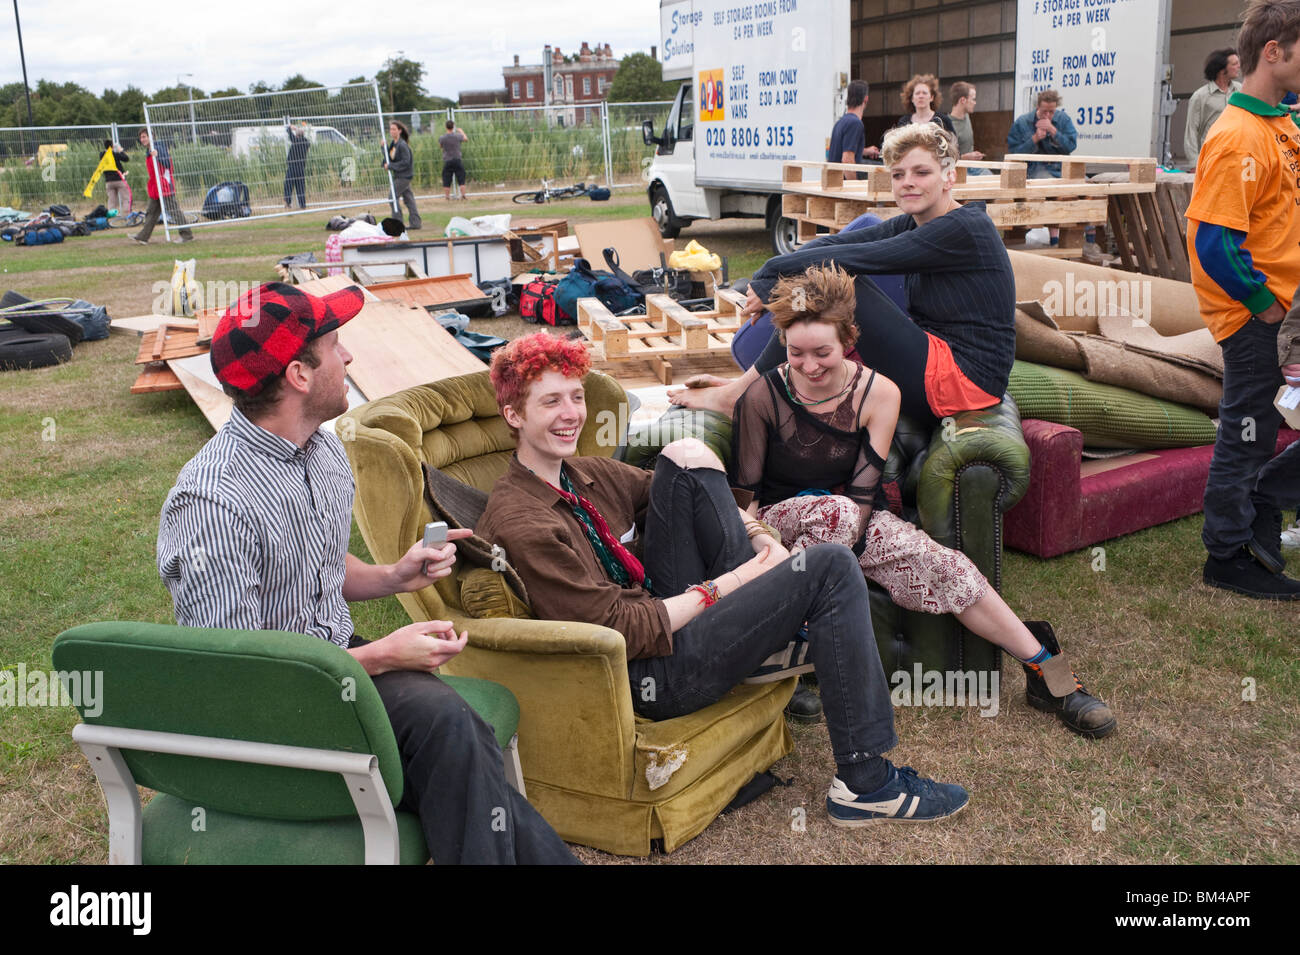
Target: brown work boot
x,y
1053,687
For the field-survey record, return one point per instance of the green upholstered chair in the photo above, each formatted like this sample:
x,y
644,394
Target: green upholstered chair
x,y
601,776
955,482
264,747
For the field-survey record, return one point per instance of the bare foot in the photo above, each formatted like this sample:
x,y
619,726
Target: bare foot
x,y
708,393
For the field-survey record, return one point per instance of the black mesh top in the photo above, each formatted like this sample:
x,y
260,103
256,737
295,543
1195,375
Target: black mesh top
x,y
780,448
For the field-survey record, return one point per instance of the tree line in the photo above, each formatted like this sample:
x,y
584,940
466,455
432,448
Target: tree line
x,y
401,90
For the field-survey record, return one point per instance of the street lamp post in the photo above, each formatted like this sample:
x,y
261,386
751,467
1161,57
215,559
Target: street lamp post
x,y
194,132
23,58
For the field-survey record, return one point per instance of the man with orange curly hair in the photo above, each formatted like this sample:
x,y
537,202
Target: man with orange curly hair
x,y
670,562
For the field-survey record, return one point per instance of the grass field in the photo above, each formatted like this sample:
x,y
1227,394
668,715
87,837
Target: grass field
x,y
1195,774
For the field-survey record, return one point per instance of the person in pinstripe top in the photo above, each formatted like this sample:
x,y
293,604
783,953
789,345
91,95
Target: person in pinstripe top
x,y
254,536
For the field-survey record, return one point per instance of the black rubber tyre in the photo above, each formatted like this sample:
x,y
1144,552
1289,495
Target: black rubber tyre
x,y
33,351
661,208
524,198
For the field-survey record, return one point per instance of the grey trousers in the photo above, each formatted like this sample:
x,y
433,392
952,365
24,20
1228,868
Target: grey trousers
x,y
154,213
402,187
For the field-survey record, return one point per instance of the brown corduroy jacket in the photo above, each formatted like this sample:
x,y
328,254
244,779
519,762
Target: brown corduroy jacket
x,y
547,545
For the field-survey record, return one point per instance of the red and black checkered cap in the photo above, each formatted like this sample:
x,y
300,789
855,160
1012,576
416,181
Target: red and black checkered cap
x,y
269,326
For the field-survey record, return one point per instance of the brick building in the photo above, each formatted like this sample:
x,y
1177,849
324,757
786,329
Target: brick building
x,y
576,83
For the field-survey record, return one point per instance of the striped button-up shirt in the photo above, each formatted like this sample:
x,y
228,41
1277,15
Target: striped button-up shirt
x,y
254,535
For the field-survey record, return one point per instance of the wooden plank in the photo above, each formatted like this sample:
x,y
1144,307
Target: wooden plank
x,y
1136,233
170,341
1155,237
821,208
395,347
423,293
1116,219
147,324
208,320
1047,212
154,378
1175,230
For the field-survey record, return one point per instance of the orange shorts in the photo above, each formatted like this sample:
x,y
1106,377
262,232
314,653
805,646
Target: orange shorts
x,y
947,389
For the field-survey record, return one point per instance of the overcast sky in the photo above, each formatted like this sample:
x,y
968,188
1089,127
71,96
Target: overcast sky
x,y
462,45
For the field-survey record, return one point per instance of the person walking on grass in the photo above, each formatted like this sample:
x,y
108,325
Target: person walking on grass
x,y
162,192
401,165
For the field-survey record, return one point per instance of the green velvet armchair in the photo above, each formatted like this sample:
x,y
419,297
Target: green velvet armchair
x,y
601,776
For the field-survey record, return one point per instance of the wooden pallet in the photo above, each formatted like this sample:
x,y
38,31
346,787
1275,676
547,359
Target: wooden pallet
x,y
1013,201
1151,230
303,272
1141,169
170,341
666,333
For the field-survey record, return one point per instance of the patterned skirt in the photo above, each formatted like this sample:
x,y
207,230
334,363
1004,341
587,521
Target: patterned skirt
x,y
919,573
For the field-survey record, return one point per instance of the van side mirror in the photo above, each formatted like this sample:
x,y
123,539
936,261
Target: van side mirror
x,y
648,134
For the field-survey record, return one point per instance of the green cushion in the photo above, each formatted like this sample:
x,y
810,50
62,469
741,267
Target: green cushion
x,y
175,834
1108,416
492,701
646,441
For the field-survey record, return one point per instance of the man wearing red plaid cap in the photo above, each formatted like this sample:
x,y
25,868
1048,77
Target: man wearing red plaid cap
x,y
254,536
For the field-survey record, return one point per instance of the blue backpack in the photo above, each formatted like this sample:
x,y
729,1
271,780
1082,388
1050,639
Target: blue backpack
x,y
582,282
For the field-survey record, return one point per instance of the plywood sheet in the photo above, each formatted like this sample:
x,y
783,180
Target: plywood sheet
x,y
395,347
423,293
143,324
333,283
638,242
197,380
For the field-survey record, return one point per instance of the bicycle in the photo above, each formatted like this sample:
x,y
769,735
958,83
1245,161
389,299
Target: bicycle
x,y
547,193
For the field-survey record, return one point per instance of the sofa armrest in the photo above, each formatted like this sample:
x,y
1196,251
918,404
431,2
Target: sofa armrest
x,y
978,467
565,675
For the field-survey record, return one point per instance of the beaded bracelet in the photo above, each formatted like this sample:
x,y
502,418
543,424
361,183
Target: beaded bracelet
x,y
709,591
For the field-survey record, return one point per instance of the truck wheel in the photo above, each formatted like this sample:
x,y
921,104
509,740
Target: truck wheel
x,y
661,208
785,235
34,351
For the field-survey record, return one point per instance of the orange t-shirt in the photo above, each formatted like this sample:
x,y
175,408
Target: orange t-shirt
x,y
1248,180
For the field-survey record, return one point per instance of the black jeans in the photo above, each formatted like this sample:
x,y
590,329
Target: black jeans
x,y
1241,475
455,779
295,181
888,341
694,532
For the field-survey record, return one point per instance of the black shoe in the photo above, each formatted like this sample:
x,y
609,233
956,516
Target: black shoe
x,y
805,706
1266,543
1243,574
1053,687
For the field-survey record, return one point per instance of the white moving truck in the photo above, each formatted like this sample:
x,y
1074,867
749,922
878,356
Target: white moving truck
x,y
763,82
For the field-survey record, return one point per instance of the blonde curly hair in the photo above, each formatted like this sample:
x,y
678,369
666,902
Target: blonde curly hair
x,y
935,140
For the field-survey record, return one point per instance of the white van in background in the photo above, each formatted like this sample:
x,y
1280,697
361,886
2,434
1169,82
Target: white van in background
x,y
244,140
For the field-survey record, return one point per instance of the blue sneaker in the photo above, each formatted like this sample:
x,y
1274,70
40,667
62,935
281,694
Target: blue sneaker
x,y
905,797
